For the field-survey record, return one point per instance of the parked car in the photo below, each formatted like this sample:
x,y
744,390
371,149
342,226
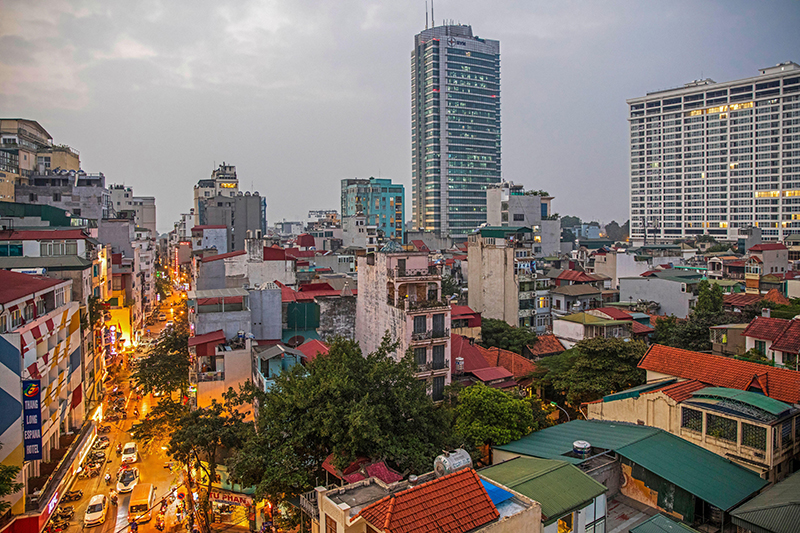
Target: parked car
x,y
169,324
97,511
129,453
127,480
162,317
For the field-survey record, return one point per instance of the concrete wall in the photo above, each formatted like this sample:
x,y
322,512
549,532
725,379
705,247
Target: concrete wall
x,y
337,316
667,293
230,322
211,275
267,272
373,315
493,290
432,240
117,233
238,370
247,216
90,202
569,333
265,309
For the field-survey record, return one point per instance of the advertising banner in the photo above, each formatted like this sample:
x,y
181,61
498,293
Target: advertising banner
x,y
32,419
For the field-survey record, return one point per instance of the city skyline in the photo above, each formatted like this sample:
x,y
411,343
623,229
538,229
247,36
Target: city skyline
x,y
156,95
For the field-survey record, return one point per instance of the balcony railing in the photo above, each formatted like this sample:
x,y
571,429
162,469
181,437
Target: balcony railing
x,y
430,334
427,304
211,376
443,364
415,272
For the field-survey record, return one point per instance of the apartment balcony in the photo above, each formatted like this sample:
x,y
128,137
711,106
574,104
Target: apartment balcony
x,y
426,305
430,335
430,273
434,366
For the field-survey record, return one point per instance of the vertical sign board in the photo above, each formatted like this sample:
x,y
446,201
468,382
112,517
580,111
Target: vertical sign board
x,y
32,419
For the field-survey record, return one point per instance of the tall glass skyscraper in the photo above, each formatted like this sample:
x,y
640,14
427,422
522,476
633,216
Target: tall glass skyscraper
x,y
455,123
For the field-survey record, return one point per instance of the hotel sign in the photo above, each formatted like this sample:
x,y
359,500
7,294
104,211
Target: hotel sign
x,y
32,419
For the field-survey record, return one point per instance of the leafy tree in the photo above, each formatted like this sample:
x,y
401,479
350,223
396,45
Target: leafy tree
x,y
568,221
693,334
593,368
450,286
754,356
497,333
717,248
345,404
567,235
162,285
165,368
490,416
709,299
202,438
162,420
8,484
705,238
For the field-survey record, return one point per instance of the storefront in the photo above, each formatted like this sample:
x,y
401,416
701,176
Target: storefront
x,y
231,507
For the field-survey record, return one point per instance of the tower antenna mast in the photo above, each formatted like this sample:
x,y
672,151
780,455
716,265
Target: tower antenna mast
x,y
426,14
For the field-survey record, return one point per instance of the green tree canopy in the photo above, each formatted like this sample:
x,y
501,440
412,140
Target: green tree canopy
x,y
165,368
8,484
693,333
490,416
343,404
568,221
497,333
593,368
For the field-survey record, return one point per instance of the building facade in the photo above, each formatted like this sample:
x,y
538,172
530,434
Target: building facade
x,y
455,128
223,182
508,204
381,201
711,158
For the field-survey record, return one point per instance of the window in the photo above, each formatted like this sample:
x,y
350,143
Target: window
x,y
691,419
420,325
786,434
438,389
438,324
420,356
60,296
754,436
330,524
56,196
721,427
565,524
519,217
56,248
28,312
3,323
16,318
40,309
761,347
438,357
11,249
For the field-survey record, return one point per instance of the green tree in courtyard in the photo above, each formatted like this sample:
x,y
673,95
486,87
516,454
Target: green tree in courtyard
x,y
490,416
497,333
8,484
593,368
345,404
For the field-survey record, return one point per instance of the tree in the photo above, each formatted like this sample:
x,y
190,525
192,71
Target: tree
x,y
8,484
162,285
201,439
593,368
165,368
754,356
450,286
693,333
717,248
161,421
490,416
343,404
567,235
709,299
497,333
568,221
616,232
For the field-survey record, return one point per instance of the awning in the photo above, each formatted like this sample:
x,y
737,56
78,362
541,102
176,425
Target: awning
x,y
234,498
214,336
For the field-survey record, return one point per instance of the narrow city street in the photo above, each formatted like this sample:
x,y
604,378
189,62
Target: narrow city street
x,y
152,463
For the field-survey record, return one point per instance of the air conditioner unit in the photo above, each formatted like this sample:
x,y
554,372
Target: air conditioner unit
x,y
683,287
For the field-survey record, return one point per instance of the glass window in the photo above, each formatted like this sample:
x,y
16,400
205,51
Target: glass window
x,y
754,436
691,419
420,325
761,347
438,388
420,356
721,427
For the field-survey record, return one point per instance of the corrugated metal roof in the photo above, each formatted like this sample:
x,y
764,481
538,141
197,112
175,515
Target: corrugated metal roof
x,y
704,474
777,509
555,441
560,487
502,231
759,401
634,392
216,293
661,524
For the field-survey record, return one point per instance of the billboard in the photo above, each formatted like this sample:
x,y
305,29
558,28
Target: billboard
x,y
32,419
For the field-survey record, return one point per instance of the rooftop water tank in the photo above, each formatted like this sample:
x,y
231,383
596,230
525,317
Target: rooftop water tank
x,y
582,449
447,463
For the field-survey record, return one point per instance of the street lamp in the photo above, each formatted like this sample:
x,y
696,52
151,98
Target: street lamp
x,y
554,404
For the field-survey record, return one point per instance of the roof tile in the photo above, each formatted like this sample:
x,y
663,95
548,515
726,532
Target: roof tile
x,y
545,345
765,328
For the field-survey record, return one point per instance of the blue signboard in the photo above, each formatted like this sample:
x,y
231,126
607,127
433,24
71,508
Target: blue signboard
x,y
32,419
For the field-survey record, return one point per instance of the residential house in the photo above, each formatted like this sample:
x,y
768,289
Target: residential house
x,y
256,265
572,329
728,339
653,467
571,500
676,293
503,279
754,431
401,292
217,364
317,311
520,367
209,236
508,204
777,339
469,366
358,234
774,257
269,361
454,503
544,346
81,194
466,322
736,303
775,510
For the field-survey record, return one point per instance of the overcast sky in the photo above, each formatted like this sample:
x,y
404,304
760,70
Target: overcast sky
x,y
300,94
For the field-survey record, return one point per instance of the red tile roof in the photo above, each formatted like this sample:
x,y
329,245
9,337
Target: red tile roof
x,y
767,246
774,295
681,390
545,345
223,256
382,472
577,276
513,362
460,347
420,245
614,314
206,226
766,329
740,299
492,373
789,342
305,240
273,254
718,371
640,329
455,503
312,348
15,285
214,336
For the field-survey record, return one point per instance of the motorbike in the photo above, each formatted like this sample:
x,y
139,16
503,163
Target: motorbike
x,y
104,429
97,456
73,495
89,473
119,449
113,417
113,497
160,522
101,445
65,513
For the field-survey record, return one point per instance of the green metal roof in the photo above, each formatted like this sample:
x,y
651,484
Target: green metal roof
x,y
634,392
555,441
502,231
586,318
698,471
560,487
661,524
777,509
759,401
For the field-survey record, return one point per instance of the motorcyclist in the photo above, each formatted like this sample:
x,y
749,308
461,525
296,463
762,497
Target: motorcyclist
x,y
119,448
108,478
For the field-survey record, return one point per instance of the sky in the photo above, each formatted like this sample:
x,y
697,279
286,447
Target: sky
x,y
301,94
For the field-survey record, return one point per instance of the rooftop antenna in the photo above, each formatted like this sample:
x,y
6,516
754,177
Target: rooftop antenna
x,y
433,19
426,14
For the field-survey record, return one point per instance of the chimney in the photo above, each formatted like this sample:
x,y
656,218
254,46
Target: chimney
x,y
765,312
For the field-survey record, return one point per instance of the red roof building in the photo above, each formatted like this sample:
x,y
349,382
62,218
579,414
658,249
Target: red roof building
x,y
462,312
545,345
223,256
718,371
420,246
568,277
455,503
767,246
468,365
312,348
14,286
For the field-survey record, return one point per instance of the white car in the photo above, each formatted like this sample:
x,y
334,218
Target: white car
x,y
97,511
129,453
127,480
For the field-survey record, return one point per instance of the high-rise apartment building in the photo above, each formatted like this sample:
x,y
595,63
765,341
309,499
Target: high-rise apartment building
x,y
716,158
455,128
223,182
381,201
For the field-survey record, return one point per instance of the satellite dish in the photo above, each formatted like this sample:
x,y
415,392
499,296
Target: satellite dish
x,y
295,341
